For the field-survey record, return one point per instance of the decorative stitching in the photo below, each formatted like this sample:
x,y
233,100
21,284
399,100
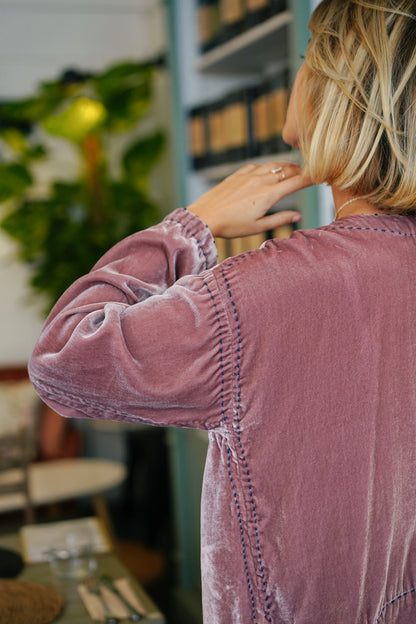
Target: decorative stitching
x,y
388,604
221,351
245,464
240,257
74,401
190,233
356,227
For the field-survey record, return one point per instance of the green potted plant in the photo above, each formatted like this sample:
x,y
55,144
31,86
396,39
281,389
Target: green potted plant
x,y
62,226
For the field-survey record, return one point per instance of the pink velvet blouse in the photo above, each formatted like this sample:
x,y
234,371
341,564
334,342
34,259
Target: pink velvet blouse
x,y
300,360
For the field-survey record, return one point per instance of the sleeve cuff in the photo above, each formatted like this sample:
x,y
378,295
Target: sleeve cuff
x,y
193,227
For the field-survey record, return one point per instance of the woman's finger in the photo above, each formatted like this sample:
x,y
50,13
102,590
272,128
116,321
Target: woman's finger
x,y
278,219
288,182
287,168
248,168
277,167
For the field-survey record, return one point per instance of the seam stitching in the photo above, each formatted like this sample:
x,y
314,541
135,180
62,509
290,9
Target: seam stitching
x,y
214,303
237,429
356,227
389,604
72,400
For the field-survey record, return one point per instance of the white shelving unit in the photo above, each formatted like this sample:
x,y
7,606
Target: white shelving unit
x,y
202,78
246,57
250,51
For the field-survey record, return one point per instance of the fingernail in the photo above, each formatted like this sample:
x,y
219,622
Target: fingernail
x,y
296,218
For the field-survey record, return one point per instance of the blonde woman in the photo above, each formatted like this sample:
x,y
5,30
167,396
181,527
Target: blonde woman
x,y
299,358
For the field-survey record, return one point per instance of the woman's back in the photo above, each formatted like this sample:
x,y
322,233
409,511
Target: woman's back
x,y
323,439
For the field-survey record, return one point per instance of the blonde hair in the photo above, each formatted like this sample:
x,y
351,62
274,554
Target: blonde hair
x,y
358,130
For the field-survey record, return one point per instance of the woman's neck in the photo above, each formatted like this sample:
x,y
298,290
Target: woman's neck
x,y
347,204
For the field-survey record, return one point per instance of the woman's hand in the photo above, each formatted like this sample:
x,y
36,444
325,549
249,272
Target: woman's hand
x,y
238,205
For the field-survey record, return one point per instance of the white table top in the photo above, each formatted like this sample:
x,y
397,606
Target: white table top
x,y
63,479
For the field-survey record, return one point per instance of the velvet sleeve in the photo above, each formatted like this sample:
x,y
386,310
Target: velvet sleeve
x,y
142,337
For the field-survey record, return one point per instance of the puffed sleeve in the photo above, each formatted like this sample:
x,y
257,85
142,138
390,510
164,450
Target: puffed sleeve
x,y
144,336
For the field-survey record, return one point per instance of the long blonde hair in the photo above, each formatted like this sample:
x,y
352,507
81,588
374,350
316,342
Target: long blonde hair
x,y
358,130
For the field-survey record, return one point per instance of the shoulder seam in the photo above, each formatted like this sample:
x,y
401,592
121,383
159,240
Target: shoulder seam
x,y
366,229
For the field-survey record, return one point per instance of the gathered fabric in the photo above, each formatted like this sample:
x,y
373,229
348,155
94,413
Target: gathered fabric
x,y
299,359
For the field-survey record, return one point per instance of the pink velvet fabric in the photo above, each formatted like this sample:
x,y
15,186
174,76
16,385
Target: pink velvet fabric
x,y
300,361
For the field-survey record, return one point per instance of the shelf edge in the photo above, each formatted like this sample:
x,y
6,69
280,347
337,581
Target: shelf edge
x,y
238,43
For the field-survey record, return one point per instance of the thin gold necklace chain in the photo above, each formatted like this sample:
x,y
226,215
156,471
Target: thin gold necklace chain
x,y
350,201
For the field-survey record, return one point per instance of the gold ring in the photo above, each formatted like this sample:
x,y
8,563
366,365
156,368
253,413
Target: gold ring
x,y
280,173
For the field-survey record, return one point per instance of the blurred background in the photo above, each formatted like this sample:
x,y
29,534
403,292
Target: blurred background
x,y
112,114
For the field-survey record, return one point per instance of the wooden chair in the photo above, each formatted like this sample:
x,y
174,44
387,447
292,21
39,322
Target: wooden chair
x,y
17,444
15,453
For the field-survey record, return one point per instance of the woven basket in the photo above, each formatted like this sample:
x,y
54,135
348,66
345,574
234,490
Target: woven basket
x,y
26,602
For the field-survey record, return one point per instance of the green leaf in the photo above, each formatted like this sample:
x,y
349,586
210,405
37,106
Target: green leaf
x,y
21,145
14,180
123,76
134,211
78,119
63,235
56,91
14,138
28,224
125,91
66,192
27,111
36,152
141,157
33,109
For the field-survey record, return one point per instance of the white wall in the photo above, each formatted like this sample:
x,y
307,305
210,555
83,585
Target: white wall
x,y
39,39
